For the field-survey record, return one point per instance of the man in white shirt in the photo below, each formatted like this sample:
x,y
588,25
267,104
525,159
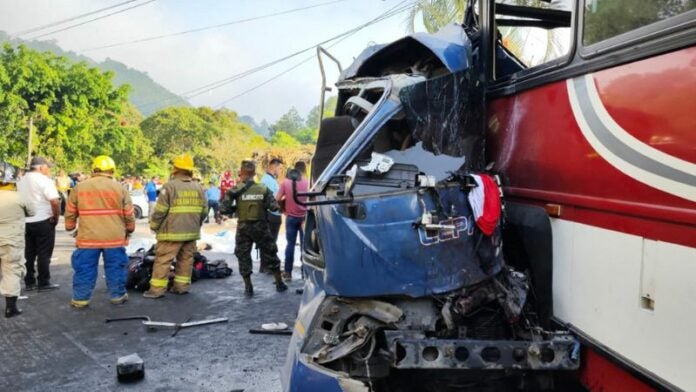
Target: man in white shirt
x,y
37,188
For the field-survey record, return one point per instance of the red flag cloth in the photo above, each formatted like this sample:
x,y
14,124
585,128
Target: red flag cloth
x,y
485,203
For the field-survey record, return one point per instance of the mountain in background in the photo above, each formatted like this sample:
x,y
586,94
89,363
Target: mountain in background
x,y
262,129
146,94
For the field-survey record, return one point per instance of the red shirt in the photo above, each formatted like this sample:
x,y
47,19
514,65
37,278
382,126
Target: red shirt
x,y
285,192
226,184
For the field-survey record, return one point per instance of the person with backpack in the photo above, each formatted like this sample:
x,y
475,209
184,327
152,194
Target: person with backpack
x,y
250,200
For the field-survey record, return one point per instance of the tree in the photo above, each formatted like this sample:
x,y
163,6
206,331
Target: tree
x,y
290,123
76,110
329,110
307,136
435,14
282,139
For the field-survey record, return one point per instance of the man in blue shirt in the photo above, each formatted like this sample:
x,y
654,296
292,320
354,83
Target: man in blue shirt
x,y
270,179
213,196
151,191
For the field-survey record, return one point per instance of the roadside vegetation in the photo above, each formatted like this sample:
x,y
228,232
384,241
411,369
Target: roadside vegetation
x,y
76,113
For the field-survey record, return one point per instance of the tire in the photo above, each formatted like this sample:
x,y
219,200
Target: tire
x,y
137,212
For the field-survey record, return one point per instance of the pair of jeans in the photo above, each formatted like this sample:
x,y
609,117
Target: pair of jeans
x,y
85,263
40,239
215,206
293,226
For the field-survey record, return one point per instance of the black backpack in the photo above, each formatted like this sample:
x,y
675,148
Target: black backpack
x,y
140,266
206,269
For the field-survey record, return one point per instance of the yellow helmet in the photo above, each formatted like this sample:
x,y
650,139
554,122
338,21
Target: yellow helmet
x,y
183,162
103,163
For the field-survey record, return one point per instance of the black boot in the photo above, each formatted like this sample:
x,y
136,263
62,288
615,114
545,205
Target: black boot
x,y
248,287
280,285
11,307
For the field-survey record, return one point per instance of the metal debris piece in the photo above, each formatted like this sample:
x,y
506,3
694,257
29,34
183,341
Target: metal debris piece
x,y
379,164
165,324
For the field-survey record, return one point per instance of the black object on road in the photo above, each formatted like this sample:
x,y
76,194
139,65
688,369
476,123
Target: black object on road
x,y
259,331
130,368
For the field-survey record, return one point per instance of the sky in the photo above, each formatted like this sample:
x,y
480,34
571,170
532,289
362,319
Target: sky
x,y
187,62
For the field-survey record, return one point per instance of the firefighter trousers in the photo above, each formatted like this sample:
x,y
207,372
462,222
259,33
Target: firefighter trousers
x,y
13,270
85,263
165,252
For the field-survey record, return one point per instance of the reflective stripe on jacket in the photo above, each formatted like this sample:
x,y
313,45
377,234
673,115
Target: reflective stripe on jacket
x,y
105,212
180,210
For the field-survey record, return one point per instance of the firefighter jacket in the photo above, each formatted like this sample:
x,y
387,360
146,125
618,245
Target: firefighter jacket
x,y
180,210
105,211
250,201
12,215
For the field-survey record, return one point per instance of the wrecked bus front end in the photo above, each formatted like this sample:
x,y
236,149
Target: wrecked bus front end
x,y
404,291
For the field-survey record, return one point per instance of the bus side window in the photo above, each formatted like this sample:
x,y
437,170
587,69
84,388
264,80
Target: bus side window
x,y
604,19
522,47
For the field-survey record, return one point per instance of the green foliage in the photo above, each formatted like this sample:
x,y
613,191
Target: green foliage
x,y
147,95
329,110
307,136
605,19
282,139
290,123
435,14
216,138
77,111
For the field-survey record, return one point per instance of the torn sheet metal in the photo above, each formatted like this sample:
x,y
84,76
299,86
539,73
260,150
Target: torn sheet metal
x,y
450,46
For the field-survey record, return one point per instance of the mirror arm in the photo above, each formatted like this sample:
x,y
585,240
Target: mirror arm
x,y
296,197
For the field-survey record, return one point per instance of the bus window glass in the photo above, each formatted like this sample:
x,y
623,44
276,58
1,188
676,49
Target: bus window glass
x,y
604,19
531,45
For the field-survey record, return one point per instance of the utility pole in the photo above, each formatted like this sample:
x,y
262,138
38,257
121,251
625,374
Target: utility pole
x,y
31,131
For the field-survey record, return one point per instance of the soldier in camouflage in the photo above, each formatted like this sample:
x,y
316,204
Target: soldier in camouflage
x,y
250,200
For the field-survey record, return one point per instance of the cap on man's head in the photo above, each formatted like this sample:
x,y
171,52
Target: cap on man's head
x,y
248,165
275,161
40,161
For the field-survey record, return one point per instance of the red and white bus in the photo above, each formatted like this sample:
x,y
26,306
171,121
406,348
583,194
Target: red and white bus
x,y
593,119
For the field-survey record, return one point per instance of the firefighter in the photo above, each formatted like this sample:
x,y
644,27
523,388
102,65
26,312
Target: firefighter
x,y
251,200
179,213
12,243
105,213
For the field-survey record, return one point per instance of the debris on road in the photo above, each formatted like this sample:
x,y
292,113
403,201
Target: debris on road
x,y
130,368
271,329
165,324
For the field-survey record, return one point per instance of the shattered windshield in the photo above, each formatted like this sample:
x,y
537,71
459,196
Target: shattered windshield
x,y
437,131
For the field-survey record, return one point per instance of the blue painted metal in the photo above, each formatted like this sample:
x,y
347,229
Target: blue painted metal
x,y
450,45
385,255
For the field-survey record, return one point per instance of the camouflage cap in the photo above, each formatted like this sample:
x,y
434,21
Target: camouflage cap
x,y
248,165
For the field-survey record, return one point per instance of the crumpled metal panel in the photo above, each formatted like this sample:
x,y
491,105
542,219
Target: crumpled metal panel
x,y
384,254
450,45
418,352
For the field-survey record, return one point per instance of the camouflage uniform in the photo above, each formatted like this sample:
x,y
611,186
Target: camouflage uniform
x,y
252,227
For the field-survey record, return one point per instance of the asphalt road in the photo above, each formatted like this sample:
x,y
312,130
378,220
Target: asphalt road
x,y
52,347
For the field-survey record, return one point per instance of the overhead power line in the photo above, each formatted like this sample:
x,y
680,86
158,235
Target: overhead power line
x,y
60,22
217,84
94,19
384,16
217,26
398,8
